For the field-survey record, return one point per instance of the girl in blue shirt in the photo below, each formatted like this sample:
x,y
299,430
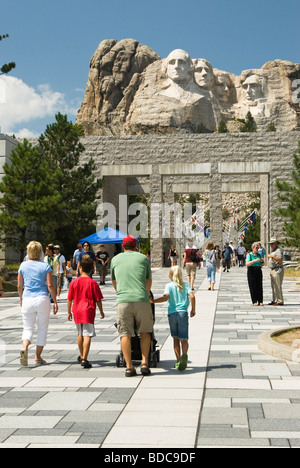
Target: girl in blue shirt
x,y
179,295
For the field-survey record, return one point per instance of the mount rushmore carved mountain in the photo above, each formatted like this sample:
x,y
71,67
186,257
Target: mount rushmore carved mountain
x,y
132,91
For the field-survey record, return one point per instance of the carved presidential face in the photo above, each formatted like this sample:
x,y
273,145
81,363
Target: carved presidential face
x,y
179,66
253,88
224,87
203,74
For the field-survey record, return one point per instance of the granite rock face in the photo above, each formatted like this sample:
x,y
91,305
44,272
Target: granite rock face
x,y
115,72
131,91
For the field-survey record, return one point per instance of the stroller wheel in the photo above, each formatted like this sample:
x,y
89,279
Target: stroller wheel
x,y
118,360
154,361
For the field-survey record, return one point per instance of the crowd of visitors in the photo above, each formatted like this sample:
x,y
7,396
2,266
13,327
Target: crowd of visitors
x,y
41,278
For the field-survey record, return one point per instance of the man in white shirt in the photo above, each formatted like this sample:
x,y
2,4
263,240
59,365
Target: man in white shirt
x,y
241,254
62,271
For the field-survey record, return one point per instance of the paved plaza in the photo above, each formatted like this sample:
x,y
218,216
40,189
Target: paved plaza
x,y
231,394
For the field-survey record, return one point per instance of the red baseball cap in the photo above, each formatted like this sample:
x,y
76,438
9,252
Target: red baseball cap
x,y
129,241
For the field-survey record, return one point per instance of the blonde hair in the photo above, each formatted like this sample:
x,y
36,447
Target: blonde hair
x,y
176,277
210,245
34,251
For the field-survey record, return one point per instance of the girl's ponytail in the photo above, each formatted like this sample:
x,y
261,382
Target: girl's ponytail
x,y
176,277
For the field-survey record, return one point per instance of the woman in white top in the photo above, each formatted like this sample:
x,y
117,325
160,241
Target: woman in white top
x,y
34,285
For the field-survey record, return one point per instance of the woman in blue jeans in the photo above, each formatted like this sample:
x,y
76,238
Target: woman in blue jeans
x,y
211,265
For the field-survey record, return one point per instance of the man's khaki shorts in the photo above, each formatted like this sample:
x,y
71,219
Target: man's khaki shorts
x,y
131,313
191,269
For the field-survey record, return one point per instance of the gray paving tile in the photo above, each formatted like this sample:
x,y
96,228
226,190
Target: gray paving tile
x,y
57,404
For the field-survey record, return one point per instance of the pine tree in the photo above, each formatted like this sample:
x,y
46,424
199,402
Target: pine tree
x,y
76,183
9,66
222,128
289,194
248,124
28,197
271,127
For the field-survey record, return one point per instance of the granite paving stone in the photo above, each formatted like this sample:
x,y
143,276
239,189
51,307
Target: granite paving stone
x,y
231,395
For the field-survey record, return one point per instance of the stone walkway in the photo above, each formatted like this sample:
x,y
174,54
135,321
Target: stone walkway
x,y
231,394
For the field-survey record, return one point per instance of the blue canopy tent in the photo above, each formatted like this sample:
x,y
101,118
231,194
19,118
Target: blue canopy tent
x,y
106,236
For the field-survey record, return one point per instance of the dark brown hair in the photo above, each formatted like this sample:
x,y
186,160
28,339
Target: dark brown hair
x,y
86,264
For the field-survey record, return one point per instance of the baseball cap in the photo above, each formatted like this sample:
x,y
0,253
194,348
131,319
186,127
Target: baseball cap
x,y
129,241
57,247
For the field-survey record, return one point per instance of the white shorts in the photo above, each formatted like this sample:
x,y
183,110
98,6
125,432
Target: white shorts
x,y
36,309
86,329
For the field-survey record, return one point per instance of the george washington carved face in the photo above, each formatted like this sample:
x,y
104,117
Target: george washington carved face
x,y
179,66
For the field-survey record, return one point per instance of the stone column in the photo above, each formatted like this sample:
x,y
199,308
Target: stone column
x,y
114,192
216,218
156,200
264,210
170,199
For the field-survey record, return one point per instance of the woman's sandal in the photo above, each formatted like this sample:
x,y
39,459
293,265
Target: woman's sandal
x,y
86,364
24,358
41,362
130,372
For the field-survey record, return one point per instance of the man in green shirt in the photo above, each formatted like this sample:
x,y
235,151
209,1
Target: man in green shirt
x,y
132,279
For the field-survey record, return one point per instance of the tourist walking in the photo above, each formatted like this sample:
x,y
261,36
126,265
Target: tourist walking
x,y
76,256
52,261
211,265
85,294
254,263
34,285
241,252
87,251
178,295
173,255
62,272
132,279
227,254
277,272
190,262
103,259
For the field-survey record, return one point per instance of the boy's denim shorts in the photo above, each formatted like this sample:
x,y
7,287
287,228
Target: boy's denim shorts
x,y
179,325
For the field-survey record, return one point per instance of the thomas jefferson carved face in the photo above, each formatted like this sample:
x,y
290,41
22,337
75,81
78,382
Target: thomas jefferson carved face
x,y
203,74
179,66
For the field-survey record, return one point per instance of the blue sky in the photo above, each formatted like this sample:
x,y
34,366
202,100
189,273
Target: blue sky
x,y
52,43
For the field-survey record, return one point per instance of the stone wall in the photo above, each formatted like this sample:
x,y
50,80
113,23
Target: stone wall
x,y
213,158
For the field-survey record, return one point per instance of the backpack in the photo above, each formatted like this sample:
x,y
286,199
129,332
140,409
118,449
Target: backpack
x,y
194,257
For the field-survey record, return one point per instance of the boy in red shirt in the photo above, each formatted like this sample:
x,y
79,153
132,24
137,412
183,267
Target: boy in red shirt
x,y
85,293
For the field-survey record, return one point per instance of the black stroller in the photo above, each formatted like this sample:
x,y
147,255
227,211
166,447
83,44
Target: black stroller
x,y
154,354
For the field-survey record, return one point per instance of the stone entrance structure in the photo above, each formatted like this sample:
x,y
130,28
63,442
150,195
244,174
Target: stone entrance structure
x,y
163,166
208,163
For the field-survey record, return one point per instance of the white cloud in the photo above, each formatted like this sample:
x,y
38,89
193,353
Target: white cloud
x,y
26,133
21,104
